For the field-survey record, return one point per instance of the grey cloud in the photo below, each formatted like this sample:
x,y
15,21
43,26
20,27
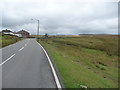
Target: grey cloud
x,y
60,16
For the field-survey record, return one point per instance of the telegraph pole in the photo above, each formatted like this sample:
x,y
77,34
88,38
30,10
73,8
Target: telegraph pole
x,y
37,27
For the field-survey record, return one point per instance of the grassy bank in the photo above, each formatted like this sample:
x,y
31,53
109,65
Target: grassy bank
x,y
89,61
6,40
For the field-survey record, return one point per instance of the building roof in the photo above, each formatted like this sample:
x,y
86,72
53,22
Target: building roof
x,y
6,30
23,31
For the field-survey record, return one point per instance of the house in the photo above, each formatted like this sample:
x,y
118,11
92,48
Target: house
x,y
7,32
18,35
23,33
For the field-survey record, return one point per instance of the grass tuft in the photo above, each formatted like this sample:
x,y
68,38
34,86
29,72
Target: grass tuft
x,y
6,40
88,61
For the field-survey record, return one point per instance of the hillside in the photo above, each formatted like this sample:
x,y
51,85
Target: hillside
x,y
90,61
6,40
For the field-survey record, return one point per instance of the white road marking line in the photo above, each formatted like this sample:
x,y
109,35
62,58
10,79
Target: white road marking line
x,y
21,49
7,59
53,70
12,55
25,44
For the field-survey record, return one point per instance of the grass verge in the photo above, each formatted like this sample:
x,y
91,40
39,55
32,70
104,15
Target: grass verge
x,y
89,61
6,40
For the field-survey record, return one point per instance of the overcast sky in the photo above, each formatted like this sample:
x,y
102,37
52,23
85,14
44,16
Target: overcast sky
x,y
60,16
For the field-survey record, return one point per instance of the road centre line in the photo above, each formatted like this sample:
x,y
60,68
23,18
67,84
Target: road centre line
x,y
21,48
25,44
7,59
12,56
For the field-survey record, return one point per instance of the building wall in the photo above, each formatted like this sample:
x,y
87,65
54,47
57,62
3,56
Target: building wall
x,y
23,33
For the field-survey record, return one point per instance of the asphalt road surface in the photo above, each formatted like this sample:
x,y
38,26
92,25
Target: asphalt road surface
x,y
25,65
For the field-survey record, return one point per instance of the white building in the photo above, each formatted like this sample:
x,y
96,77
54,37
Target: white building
x,y
8,32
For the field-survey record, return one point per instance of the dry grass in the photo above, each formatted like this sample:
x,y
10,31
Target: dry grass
x,y
86,60
7,40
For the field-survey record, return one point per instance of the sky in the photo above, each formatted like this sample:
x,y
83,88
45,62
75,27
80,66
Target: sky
x,y
60,17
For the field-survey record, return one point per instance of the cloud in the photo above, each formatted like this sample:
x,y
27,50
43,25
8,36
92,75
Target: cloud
x,y
61,16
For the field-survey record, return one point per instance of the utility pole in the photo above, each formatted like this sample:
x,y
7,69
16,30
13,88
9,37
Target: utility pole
x,y
37,27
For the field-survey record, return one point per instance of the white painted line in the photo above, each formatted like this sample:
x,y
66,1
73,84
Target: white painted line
x,y
53,70
25,44
7,59
21,49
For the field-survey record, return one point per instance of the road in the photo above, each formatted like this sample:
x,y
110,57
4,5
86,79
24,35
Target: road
x,y
25,65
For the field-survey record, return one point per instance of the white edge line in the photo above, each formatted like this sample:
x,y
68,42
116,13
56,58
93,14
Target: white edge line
x,y
53,70
21,49
7,59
